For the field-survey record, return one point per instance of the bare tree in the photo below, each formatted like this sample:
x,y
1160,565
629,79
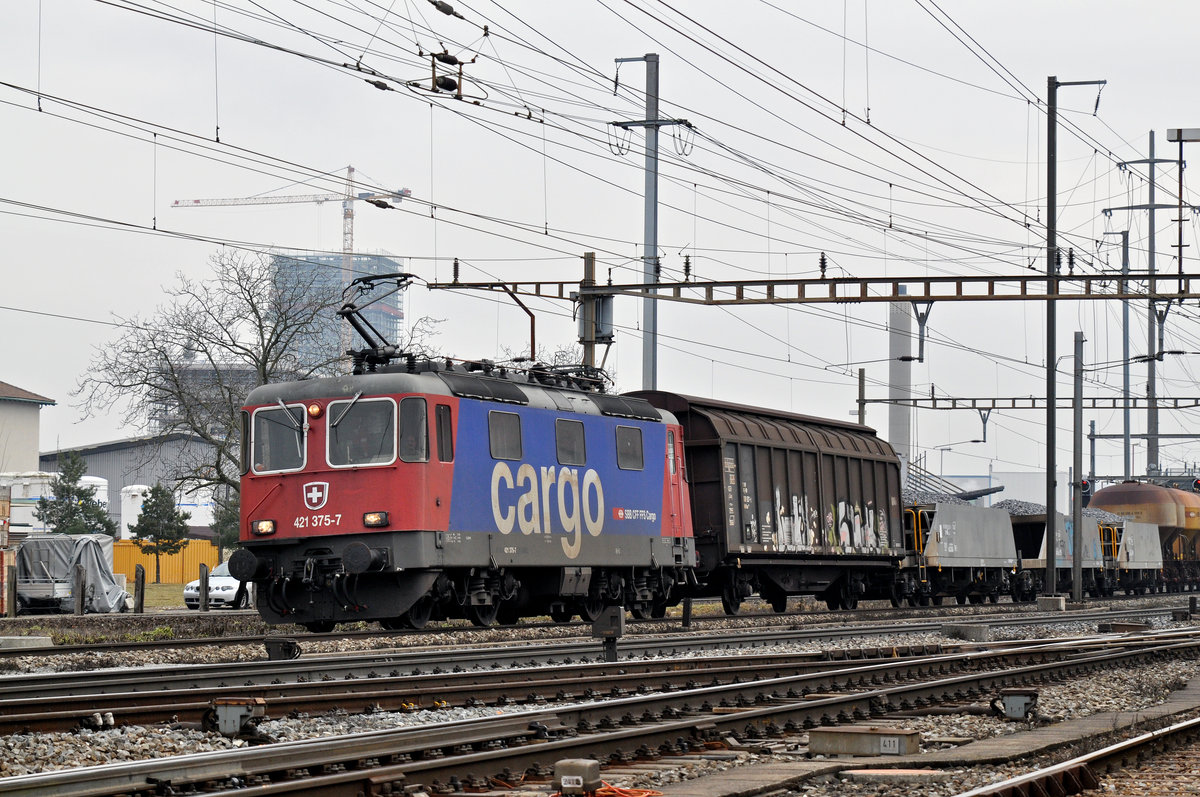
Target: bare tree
x,y
188,367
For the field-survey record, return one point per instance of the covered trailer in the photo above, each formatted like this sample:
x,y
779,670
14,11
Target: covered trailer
x,y
45,567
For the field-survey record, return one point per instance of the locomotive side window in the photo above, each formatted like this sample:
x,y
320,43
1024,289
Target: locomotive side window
x,y
568,436
504,435
445,434
278,439
414,430
245,452
629,448
671,450
361,432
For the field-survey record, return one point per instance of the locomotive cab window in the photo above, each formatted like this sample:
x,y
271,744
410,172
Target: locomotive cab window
x,y
279,438
504,435
414,430
445,433
361,432
568,437
629,448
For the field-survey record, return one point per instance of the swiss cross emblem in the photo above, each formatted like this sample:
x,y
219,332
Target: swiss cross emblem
x,y
316,494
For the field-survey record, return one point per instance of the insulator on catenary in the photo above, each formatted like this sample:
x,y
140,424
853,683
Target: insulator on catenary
x,y
447,83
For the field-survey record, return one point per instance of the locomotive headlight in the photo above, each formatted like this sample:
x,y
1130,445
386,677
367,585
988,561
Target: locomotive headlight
x,y
315,410
262,527
375,519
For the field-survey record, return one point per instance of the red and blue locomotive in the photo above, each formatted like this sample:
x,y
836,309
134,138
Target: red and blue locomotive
x,y
423,489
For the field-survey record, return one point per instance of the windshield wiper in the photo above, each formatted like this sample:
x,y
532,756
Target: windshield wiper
x,y
348,406
288,414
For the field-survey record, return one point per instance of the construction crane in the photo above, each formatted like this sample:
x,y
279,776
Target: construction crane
x,y
347,197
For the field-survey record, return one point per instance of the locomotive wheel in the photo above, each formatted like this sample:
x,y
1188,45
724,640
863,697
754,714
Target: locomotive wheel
x,y
936,600
975,599
641,610
482,616
419,613
393,623
658,610
960,599
849,602
562,615
320,626
993,597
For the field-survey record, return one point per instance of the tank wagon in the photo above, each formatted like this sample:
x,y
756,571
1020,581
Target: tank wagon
x,y
1176,516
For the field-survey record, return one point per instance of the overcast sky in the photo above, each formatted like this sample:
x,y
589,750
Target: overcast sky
x,y
901,138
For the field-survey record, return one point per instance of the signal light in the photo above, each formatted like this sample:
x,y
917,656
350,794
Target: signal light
x,y
1196,485
1085,489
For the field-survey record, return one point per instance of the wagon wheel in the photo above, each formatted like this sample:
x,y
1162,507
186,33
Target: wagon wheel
x,y
562,615
658,609
849,600
482,616
960,599
993,597
730,602
779,603
393,623
507,613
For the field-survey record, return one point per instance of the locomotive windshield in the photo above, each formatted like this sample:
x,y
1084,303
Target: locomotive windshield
x,y
278,439
362,432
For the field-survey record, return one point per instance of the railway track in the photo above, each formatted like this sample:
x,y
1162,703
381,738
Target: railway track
x,y
1002,613
1160,763
524,745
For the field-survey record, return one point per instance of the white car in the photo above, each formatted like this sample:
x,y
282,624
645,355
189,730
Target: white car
x,y
222,590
